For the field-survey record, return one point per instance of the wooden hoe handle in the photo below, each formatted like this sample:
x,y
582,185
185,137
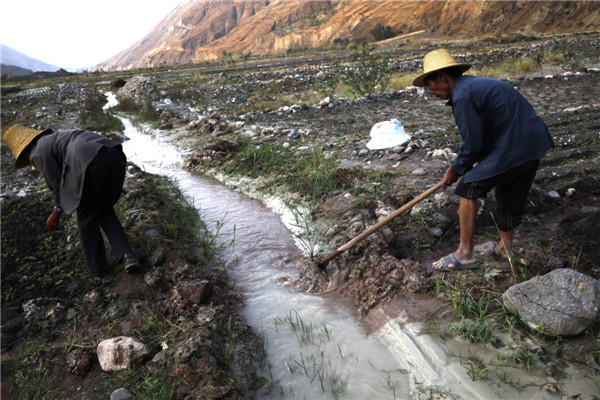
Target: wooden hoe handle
x,y
351,243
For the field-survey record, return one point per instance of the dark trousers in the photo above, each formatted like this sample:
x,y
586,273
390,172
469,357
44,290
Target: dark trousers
x,y
512,188
102,187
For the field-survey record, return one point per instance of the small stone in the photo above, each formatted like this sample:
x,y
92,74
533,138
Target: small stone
x,y
334,230
437,232
555,263
492,274
553,194
419,172
442,218
151,233
121,394
117,354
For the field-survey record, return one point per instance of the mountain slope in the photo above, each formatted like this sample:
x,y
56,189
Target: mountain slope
x,y
206,29
15,58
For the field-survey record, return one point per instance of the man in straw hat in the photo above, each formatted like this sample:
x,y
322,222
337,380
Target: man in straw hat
x,y
503,140
85,172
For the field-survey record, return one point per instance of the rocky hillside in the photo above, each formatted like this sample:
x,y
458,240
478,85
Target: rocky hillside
x,y
206,29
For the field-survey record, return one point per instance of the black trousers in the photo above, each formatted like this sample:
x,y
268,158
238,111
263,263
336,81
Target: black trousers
x,y
512,188
102,187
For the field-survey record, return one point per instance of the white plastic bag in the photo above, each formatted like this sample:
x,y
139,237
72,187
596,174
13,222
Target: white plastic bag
x,y
387,134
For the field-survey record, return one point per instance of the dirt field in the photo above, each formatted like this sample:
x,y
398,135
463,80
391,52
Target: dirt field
x,y
70,313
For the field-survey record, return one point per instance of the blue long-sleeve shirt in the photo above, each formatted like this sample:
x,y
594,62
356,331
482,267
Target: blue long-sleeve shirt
x,y
499,128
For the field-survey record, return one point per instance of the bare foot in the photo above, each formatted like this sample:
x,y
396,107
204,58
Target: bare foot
x,y
502,251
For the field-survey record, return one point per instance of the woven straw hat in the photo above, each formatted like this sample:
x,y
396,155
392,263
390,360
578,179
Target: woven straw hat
x,y
435,61
18,137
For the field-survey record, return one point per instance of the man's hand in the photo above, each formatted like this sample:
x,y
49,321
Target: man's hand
x,y
450,176
53,220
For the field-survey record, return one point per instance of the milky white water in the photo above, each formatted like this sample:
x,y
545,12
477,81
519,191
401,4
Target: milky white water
x,y
315,348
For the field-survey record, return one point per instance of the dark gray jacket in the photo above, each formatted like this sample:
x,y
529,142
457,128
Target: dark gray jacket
x,y
63,158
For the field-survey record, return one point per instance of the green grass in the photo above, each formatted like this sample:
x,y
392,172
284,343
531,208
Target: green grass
x,y
478,330
526,356
309,173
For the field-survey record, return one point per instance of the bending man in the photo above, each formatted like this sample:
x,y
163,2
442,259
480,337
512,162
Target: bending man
x,y
85,172
503,141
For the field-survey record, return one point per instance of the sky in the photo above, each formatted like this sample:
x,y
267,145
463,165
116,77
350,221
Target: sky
x,y
78,34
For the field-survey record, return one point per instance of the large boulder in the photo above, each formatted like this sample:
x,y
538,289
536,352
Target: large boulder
x,y
118,353
563,302
138,91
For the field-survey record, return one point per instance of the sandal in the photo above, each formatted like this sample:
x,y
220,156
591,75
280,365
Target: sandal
x,y
451,263
131,263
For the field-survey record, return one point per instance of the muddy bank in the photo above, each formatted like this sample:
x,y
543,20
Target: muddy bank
x,y
54,314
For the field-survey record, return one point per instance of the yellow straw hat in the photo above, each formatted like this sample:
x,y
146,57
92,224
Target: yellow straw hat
x,y
18,137
435,61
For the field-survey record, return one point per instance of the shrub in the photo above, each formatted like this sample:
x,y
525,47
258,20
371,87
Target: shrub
x,y
372,71
381,32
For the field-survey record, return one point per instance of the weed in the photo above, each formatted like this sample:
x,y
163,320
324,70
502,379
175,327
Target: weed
x,y
474,331
156,386
9,293
157,327
518,66
512,319
475,370
438,287
142,110
526,356
305,333
32,383
308,236
544,243
310,174
210,238
463,304
231,343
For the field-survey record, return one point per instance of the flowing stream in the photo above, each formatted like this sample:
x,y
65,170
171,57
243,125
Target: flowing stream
x,y
315,348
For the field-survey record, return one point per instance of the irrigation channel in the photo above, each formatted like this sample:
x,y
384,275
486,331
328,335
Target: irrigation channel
x,y
315,348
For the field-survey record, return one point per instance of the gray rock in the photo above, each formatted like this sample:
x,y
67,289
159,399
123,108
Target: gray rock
x,y
492,274
8,194
121,394
589,209
334,230
442,218
419,172
437,232
555,263
363,152
553,194
395,157
562,302
151,233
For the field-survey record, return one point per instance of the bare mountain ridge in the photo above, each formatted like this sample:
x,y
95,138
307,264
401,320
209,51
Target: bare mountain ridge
x,y
200,30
